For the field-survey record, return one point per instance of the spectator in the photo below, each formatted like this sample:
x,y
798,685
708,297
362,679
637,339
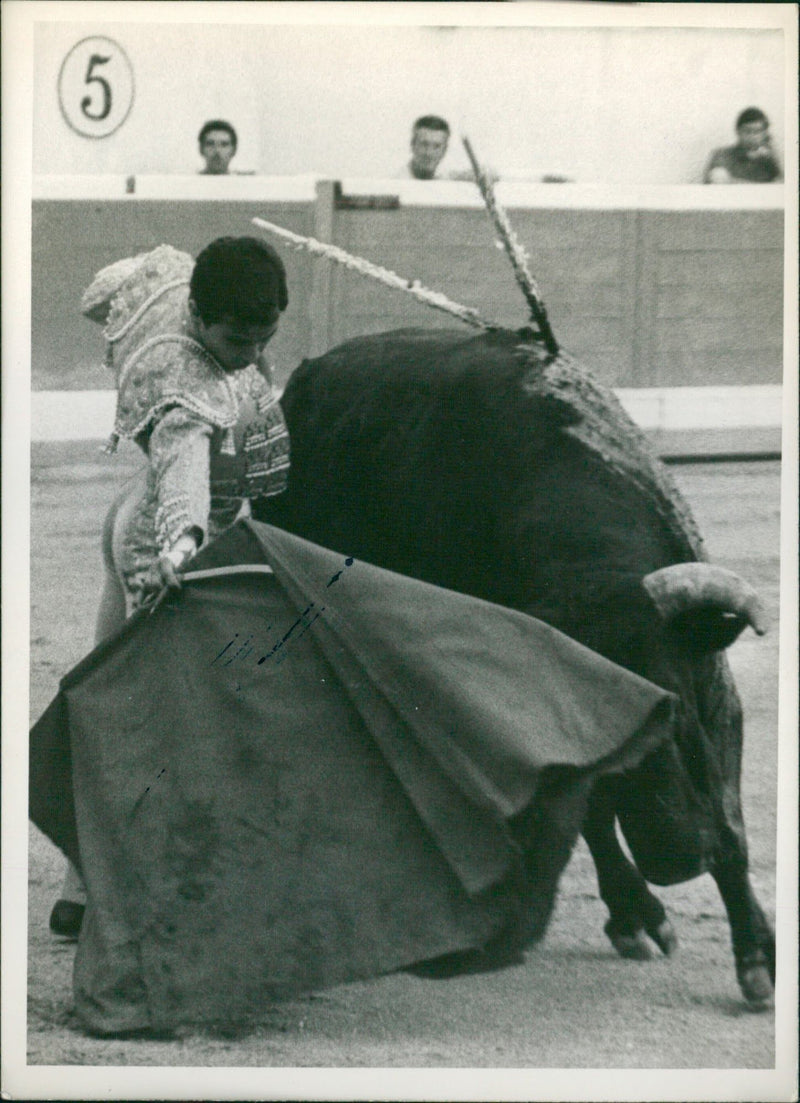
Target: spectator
x,y
217,140
752,160
429,138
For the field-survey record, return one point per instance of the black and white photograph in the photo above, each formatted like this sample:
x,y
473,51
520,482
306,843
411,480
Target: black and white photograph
x,y
400,550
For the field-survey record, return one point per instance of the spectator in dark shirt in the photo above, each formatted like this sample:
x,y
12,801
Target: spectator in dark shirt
x,y
752,160
218,141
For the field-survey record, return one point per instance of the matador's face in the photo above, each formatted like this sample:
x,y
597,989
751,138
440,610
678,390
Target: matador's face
x,y
234,344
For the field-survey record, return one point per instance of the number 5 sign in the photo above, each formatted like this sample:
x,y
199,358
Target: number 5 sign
x,y
95,87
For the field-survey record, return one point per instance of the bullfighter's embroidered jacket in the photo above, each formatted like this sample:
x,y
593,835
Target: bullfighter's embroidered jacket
x,y
213,438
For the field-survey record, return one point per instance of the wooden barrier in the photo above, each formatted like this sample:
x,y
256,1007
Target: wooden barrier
x,y
72,239
664,288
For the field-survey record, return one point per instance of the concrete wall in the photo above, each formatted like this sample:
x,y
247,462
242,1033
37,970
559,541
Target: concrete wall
x,y
633,105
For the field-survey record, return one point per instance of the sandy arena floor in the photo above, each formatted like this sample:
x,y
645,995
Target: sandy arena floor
x,y
573,1003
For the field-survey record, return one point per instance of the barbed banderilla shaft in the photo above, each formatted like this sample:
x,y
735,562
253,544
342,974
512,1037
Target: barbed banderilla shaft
x,y
515,252
372,271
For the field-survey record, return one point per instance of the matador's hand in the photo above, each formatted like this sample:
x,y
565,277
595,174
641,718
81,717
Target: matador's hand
x,y
168,573
165,572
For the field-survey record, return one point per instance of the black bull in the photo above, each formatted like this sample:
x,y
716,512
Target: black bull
x,y
474,463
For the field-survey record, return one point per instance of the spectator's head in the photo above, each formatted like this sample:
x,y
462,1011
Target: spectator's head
x,y
217,140
237,293
752,127
429,137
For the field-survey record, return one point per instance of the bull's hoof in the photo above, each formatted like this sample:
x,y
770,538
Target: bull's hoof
x,y
632,945
665,938
754,981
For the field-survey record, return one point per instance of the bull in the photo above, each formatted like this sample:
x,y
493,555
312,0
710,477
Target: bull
x,y
489,466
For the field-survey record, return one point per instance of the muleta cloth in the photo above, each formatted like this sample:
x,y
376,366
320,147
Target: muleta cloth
x,y
305,770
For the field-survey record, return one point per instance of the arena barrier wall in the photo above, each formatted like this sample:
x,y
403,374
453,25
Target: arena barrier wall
x,y
673,295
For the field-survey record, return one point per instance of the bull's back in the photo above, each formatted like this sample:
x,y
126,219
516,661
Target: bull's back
x,y
402,444
425,451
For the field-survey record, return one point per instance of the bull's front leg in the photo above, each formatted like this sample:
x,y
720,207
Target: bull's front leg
x,y
751,934
634,912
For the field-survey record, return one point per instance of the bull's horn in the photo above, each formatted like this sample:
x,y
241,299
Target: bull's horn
x,y
686,586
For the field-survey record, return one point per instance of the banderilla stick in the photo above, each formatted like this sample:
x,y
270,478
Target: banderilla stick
x,y
515,252
372,271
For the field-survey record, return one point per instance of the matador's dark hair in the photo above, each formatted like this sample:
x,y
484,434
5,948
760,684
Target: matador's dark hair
x,y
241,278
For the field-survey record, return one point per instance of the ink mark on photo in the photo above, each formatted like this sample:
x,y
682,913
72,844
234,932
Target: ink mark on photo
x,y
303,620
235,649
242,652
335,578
158,775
